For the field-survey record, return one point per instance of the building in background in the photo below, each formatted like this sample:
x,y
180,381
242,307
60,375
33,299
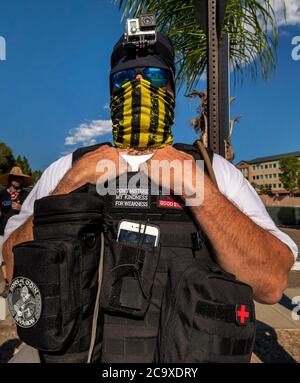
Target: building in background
x,y
263,172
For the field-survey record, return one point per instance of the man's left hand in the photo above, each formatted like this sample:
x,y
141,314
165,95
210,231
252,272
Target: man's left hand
x,y
173,169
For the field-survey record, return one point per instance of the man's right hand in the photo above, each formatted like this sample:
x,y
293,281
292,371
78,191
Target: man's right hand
x,y
87,165
87,169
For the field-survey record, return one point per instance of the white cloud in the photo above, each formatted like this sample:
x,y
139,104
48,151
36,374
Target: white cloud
x,y
292,12
87,132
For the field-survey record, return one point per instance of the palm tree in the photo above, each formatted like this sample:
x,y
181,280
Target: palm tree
x,y
200,123
250,24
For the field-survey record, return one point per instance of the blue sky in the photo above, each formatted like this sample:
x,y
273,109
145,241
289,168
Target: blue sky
x,y
54,83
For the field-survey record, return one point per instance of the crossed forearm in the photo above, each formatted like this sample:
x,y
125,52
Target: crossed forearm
x,y
242,247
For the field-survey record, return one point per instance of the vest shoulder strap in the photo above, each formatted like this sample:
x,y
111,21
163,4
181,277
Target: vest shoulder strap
x,y
207,155
200,152
78,153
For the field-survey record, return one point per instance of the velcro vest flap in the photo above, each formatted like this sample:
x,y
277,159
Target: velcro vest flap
x,y
78,201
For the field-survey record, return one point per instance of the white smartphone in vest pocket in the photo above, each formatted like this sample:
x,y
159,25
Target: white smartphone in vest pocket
x,y
130,231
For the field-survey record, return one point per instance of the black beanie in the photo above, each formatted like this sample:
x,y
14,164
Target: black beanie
x,y
161,55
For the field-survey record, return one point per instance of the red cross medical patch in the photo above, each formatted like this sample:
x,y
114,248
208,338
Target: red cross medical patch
x,y
242,314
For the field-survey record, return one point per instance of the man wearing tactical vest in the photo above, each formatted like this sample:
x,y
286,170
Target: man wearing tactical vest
x,y
187,297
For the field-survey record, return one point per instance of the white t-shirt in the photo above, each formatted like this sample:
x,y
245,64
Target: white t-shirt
x,y
231,183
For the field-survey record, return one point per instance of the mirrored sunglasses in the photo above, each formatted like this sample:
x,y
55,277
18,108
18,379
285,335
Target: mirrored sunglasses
x,y
156,76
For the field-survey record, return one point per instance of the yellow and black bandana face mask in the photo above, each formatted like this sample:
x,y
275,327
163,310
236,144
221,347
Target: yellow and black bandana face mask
x,y
142,116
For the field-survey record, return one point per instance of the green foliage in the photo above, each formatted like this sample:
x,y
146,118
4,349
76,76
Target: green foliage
x,y
251,25
265,189
36,174
290,176
23,163
7,161
6,158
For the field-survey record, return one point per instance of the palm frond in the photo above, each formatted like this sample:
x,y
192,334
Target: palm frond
x,y
250,24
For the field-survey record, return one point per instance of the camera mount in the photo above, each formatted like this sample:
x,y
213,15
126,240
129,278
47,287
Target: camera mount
x,y
140,32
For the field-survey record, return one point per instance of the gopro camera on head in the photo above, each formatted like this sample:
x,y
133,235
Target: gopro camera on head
x,y
140,33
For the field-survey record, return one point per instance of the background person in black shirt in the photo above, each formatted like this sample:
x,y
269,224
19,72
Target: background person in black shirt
x,y
11,200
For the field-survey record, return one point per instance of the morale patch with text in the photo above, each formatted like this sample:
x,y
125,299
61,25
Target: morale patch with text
x,y
169,202
134,198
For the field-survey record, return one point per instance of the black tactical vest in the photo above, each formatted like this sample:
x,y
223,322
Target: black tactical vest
x,y
128,336
137,279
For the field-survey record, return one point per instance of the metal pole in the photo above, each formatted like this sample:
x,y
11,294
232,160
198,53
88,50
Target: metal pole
x,y
224,90
211,14
213,76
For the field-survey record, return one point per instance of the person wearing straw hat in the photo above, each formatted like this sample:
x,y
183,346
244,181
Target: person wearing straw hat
x,y
11,200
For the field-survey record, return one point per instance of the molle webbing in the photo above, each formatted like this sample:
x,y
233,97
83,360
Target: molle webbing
x,y
219,311
222,346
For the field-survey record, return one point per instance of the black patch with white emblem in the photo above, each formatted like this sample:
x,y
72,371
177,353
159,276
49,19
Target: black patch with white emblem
x,y
24,302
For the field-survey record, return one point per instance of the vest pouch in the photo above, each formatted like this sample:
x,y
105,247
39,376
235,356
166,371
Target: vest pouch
x,y
67,216
207,316
50,317
129,272
63,264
